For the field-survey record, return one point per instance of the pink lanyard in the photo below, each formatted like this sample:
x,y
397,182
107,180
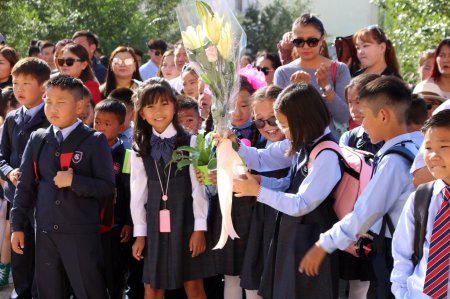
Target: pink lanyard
x,y
164,194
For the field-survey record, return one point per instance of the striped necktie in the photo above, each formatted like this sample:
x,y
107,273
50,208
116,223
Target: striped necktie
x,y
436,279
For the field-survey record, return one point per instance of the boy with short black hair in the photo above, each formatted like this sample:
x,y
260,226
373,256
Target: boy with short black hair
x,y
109,119
420,245
66,173
125,95
188,114
29,77
384,103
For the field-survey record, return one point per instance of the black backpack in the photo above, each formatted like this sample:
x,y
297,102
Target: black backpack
x,y
67,154
422,199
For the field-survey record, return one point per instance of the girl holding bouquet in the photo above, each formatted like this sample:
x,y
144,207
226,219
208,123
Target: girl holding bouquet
x,y
169,208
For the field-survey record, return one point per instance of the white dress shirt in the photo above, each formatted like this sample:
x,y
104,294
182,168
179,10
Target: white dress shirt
x,y
139,191
407,280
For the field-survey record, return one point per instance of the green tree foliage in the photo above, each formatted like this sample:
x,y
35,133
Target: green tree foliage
x,y
265,25
414,26
116,22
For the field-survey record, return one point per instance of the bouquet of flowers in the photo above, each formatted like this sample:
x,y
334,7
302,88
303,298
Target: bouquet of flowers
x,y
214,42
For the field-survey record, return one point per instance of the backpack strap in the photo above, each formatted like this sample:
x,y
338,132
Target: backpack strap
x,y
401,150
71,143
38,142
422,199
324,145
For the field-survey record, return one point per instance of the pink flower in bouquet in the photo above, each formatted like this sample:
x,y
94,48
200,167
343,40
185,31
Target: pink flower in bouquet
x,y
211,53
256,78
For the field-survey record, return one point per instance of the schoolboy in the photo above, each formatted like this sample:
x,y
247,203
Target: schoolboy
x,y
417,115
29,76
109,119
66,201
125,95
384,103
411,280
188,114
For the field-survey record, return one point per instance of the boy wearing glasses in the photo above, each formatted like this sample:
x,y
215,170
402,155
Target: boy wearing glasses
x,y
29,76
156,48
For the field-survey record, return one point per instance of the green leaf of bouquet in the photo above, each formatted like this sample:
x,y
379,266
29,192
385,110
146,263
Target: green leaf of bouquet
x,y
212,164
205,78
183,163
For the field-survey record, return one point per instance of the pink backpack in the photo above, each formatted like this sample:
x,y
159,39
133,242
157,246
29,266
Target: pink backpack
x,y
357,172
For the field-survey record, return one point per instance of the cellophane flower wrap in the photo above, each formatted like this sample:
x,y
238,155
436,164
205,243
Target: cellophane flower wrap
x,y
214,42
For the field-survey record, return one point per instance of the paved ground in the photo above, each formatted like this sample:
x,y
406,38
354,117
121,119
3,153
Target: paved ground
x,y
6,291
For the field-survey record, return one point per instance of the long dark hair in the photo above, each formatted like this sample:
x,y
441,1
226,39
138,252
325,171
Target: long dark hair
x,y
87,74
110,80
375,33
155,89
306,112
435,74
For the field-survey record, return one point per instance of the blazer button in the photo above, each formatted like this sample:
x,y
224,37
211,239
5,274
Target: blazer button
x,y
55,227
58,202
57,154
20,156
22,133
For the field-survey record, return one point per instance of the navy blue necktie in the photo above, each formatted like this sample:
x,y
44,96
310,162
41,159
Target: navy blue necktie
x,y
25,116
162,148
59,137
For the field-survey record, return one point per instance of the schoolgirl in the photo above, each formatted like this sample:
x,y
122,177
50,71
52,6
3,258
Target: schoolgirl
x,y
169,208
263,218
305,207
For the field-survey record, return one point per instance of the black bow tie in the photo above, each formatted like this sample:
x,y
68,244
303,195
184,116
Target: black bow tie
x,y
162,148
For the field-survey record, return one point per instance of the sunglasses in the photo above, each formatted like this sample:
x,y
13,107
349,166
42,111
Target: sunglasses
x,y
126,61
265,70
261,123
300,42
156,52
67,61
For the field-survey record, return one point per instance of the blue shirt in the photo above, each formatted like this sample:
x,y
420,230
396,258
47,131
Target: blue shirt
x,y
33,111
407,280
127,137
272,157
386,192
323,176
148,70
67,130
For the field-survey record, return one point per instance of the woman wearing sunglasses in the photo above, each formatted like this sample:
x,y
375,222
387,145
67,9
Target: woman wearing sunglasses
x,y
267,63
122,69
75,62
375,52
313,66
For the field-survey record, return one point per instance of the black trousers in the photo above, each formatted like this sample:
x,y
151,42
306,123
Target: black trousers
x,y
64,260
383,264
22,267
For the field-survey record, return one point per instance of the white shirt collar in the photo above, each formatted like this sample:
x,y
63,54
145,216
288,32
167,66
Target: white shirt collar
x,y
170,131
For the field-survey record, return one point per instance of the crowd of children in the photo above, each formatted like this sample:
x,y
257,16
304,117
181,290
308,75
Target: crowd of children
x,y
95,206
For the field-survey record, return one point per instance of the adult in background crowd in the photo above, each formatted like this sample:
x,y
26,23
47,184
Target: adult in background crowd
x,y
425,64
47,51
441,68
181,59
122,69
8,58
267,63
156,49
90,42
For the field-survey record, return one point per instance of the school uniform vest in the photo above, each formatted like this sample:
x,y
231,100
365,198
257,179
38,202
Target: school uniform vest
x,y
168,261
294,236
262,229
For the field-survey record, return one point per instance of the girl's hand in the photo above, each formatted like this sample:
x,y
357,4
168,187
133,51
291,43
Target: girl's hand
x,y
138,247
311,262
218,138
322,75
212,176
301,77
199,176
197,243
125,233
247,185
